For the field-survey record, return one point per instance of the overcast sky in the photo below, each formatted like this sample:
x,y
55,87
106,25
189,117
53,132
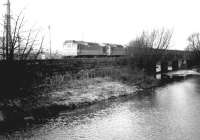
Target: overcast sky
x,y
110,21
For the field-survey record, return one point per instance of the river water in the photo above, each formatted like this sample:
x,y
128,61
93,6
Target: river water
x,y
171,112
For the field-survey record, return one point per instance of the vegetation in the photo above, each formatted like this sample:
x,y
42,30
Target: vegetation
x,y
18,43
67,91
146,50
125,75
194,48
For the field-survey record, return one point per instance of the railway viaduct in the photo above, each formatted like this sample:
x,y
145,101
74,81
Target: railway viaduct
x,y
177,59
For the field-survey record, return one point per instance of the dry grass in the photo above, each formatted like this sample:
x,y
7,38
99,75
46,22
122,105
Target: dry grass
x,y
86,77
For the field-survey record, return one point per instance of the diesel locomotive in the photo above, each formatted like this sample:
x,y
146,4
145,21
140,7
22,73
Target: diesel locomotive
x,y
74,48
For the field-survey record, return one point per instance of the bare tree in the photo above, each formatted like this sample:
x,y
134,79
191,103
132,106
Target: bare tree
x,y
194,47
148,49
22,44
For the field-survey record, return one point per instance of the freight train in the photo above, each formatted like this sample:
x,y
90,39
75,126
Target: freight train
x,y
74,48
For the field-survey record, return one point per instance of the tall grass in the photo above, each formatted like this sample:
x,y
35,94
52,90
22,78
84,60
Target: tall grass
x,y
125,74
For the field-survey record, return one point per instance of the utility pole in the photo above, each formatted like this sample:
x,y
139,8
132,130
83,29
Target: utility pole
x,y
7,29
49,27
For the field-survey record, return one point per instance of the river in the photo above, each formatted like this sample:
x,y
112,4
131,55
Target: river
x,y
171,112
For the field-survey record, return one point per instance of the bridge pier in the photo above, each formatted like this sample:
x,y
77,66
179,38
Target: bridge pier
x,y
164,66
184,64
175,65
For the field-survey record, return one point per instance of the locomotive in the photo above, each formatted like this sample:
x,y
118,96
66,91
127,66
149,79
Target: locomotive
x,y
74,48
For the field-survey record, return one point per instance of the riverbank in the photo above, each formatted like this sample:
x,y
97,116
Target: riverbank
x,y
75,93
162,109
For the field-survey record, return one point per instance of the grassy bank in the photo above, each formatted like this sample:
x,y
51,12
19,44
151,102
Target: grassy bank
x,y
67,91
18,76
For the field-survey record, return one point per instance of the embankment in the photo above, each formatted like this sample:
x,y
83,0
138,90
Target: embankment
x,y
22,75
67,92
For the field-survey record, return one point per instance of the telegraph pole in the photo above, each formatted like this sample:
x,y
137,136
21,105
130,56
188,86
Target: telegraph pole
x,y
7,29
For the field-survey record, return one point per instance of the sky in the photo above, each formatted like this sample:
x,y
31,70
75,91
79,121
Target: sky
x,y
108,21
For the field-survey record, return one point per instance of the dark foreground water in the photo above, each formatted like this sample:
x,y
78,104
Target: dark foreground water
x,y
168,113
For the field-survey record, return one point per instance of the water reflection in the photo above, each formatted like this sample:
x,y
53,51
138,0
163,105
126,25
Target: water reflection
x,y
172,112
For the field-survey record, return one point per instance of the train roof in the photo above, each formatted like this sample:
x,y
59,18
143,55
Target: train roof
x,y
94,44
